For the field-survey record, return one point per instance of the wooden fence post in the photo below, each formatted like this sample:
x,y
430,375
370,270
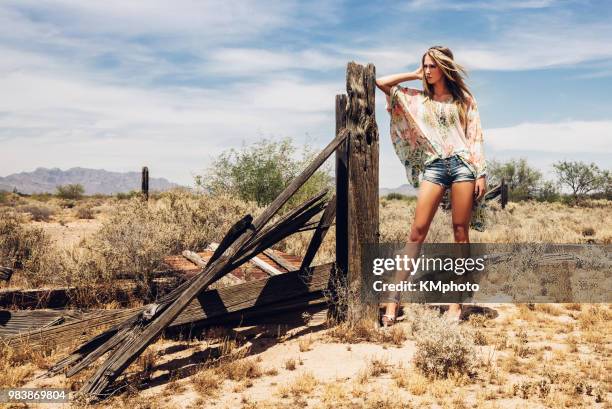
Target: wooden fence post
x,y
504,193
356,173
145,183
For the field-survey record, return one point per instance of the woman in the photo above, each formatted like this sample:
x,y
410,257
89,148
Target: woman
x,y
437,132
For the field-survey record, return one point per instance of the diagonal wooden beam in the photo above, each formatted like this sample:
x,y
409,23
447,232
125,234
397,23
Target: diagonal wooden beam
x,y
319,234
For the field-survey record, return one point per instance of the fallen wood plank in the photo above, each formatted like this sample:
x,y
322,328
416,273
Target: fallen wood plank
x,y
265,266
257,261
280,260
195,258
5,273
61,297
209,305
15,322
257,314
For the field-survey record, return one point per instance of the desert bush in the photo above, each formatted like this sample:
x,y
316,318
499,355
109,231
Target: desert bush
x,y
67,204
70,192
138,235
521,178
548,192
38,213
443,348
582,178
85,212
26,248
127,195
4,197
395,196
41,197
259,172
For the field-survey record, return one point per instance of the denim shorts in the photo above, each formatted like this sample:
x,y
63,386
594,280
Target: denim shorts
x,y
447,171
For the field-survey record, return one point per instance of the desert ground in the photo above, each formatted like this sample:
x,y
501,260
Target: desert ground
x,y
520,355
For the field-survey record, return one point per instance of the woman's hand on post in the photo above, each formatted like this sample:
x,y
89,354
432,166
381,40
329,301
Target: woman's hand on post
x,y
480,187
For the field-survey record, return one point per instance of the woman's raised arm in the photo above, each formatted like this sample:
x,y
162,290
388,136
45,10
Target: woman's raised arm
x,y
386,83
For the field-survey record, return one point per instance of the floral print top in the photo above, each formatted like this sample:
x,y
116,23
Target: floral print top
x,y
423,130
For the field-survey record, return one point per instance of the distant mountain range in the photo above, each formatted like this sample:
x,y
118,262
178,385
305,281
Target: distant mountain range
x,y
404,189
44,180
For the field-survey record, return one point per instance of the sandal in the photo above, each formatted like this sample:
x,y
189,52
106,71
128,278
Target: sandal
x,y
387,320
454,317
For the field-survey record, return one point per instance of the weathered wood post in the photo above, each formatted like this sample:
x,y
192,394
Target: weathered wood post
x,y
504,193
145,183
356,173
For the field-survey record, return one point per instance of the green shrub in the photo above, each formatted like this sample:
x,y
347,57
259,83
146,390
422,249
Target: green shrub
x,y
396,196
582,178
127,195
548,192
259,172
521,179
71,192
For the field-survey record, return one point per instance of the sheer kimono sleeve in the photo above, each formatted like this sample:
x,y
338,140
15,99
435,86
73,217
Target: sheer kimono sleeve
x,y
408,142
475,140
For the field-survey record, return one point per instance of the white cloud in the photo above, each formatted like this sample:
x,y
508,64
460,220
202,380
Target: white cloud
x,y
58,121
180,18
498,5
252,61
566,137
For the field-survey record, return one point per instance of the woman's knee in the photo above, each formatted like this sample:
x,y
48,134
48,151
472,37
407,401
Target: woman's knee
x,y
460,231
418,233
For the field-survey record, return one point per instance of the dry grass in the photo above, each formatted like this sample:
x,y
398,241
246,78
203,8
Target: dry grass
x,y
240,369
594,316
378,366
305,344
303,384
206,383
24,247
290,364
413,382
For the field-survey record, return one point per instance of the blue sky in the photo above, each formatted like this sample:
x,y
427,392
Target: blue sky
x,y
170,84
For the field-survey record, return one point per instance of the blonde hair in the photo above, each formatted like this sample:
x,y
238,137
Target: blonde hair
x,y
454,76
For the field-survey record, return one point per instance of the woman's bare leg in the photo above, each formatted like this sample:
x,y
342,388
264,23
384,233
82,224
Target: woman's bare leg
x,y
462,198
428,201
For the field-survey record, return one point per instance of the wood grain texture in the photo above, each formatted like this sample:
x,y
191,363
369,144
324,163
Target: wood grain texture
x,y
363,153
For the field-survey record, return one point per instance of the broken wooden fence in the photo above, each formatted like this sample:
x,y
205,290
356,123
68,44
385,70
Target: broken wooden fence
x,y
355,207
247,238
